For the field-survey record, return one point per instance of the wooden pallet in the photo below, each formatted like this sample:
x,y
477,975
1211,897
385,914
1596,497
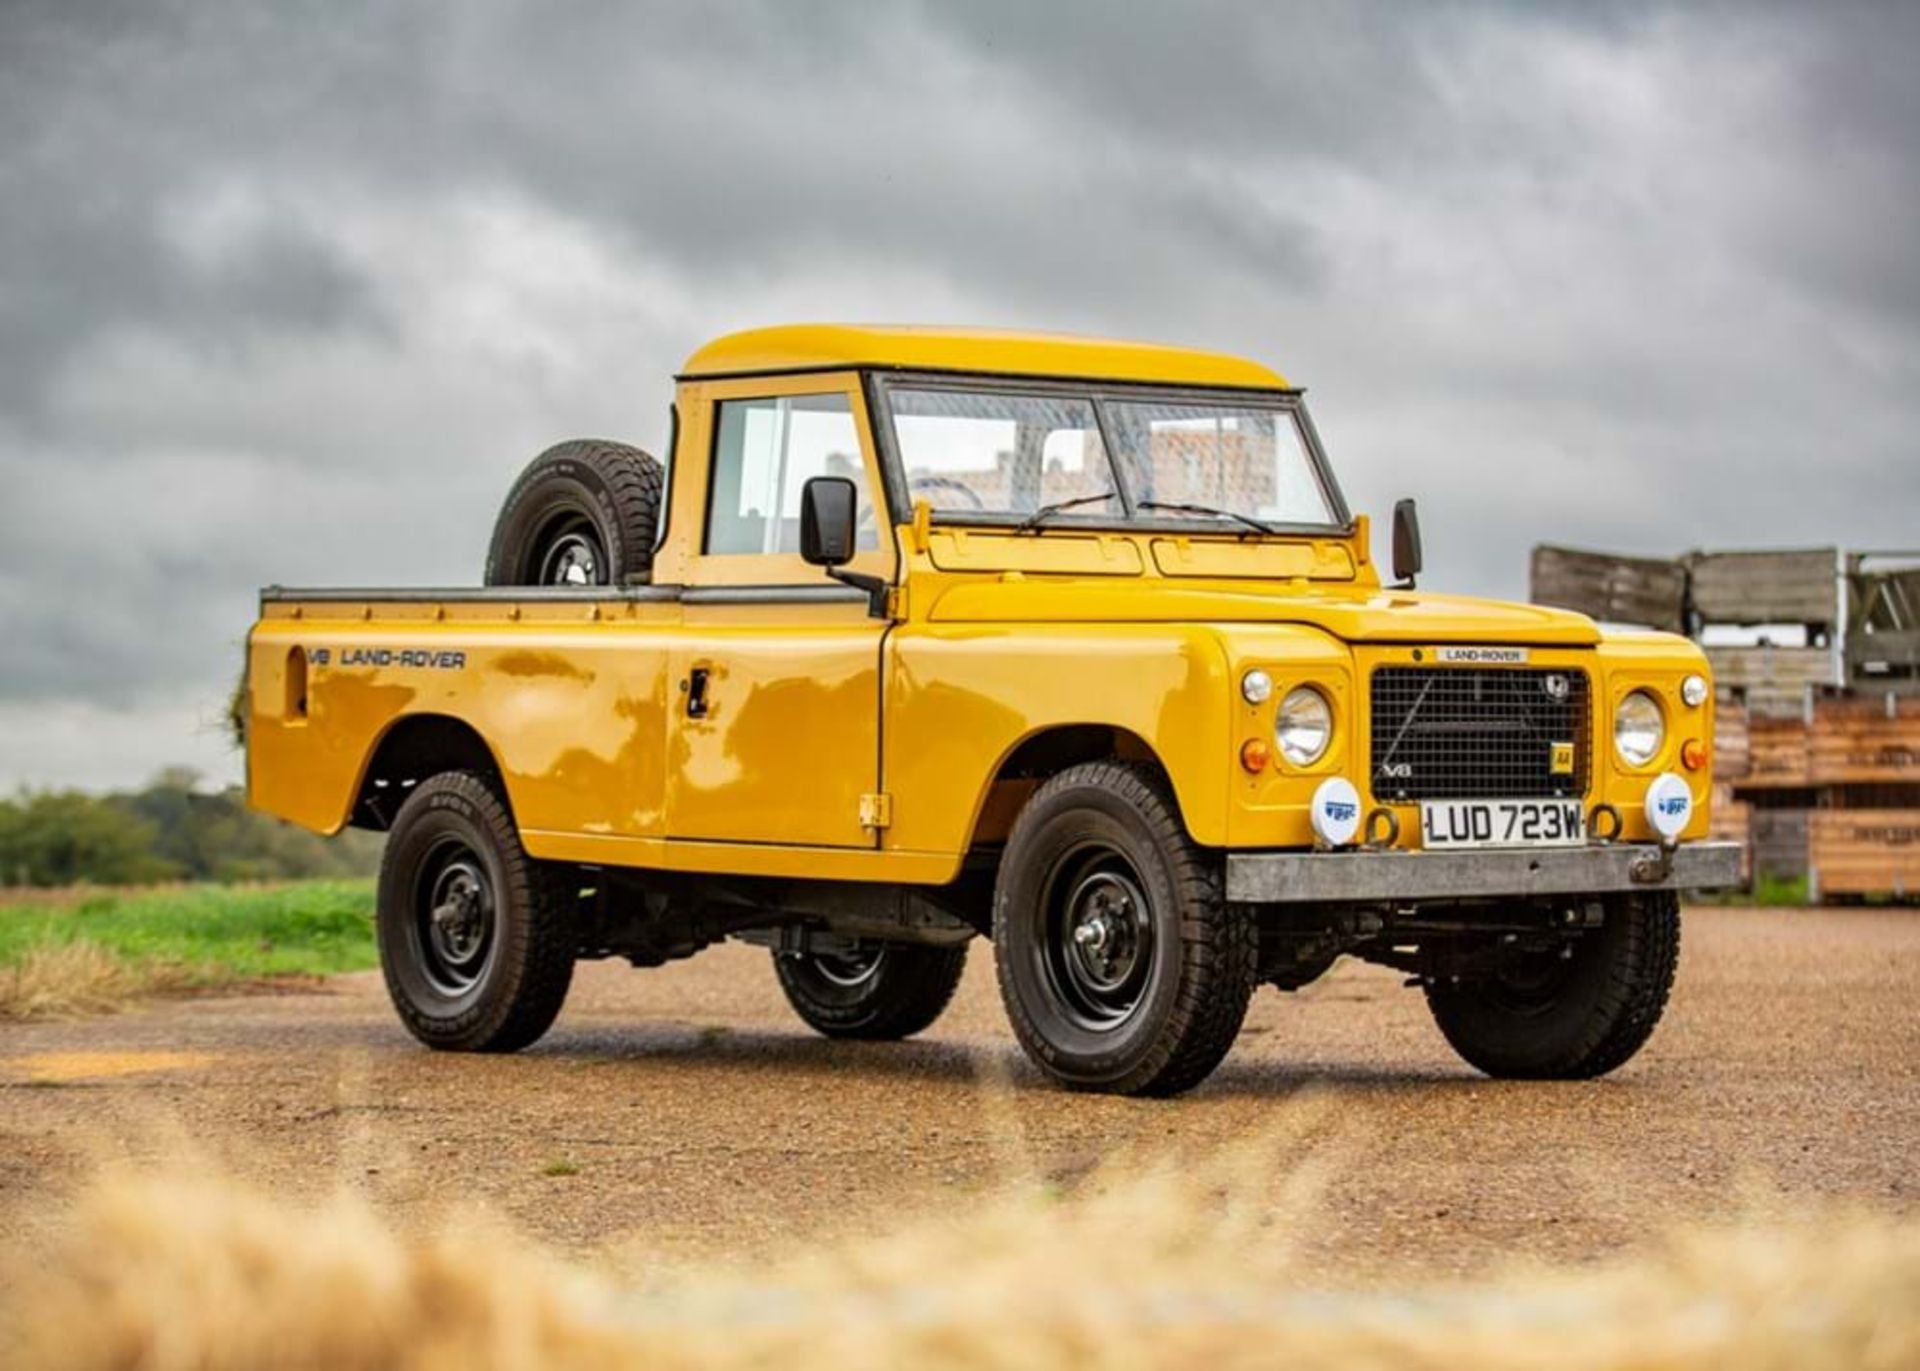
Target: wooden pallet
x,y
1863,852
1777,754
1779,843
1732,754
1774,680
1792,587
1864,739
1852,740
1622,590
1883,623
1797,587
1730,820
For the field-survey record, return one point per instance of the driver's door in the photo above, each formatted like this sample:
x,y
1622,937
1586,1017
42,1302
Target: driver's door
x,y
775,732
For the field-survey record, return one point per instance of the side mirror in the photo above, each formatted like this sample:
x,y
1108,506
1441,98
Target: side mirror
x,y
828,509
1406,542
829,518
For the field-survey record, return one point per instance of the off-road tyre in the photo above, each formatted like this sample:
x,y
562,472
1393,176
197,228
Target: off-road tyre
x,y
1613,991
1113,830
509,987
586,496
883,993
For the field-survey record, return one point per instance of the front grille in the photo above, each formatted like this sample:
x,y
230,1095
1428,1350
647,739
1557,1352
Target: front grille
x,y
1477,733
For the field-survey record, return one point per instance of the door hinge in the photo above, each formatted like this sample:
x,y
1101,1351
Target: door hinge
x,y
876,811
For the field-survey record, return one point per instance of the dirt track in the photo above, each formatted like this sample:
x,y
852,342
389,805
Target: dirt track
x,y
698,1118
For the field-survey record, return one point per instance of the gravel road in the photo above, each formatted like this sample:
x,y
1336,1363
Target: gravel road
x,y
684,1113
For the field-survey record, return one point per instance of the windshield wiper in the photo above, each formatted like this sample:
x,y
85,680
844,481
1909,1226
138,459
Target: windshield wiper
x,y
1246,519
1046,512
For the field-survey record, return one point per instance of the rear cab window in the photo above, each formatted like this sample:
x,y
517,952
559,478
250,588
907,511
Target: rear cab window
x,y
765,450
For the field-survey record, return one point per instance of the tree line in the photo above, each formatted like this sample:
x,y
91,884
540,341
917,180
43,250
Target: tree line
x,y
170,830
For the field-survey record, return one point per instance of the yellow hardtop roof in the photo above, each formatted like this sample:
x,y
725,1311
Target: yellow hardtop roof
x,y
821,347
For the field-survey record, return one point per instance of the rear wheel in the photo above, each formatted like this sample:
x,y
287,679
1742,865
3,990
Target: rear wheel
x,y
583,513
476,938
875,991
1122,967
1571,1013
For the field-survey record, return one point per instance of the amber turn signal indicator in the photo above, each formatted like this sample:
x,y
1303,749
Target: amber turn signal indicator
x,y
1693,754
1255,754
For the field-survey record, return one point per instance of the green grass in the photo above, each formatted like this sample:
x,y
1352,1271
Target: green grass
x,y
1779,890
209,934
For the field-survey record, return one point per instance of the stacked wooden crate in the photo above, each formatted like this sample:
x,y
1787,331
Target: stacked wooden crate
x,y
1772,680
1834,795
1864,839
1857,740
1817,729
1777,753
1760,772
1778,843
1856,852
1731,818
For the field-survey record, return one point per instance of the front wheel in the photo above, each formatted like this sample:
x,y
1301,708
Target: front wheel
x,y
875,991
1571,1013
476,937
1122,967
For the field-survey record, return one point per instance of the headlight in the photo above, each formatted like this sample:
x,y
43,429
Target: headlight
x,y
1694,691
1304,726
1256,686
1638,729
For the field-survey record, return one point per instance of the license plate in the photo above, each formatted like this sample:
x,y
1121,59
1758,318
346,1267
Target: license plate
x,y
1502,823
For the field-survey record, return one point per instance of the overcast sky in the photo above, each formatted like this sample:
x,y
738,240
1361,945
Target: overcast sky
x,y
290,292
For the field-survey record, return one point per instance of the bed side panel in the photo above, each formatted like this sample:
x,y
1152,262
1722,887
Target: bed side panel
x,y
570,700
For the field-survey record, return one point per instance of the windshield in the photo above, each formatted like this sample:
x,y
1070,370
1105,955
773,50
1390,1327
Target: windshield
x,y
985,452
1101,457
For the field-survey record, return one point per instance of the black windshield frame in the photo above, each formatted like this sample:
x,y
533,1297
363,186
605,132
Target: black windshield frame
x,y
1100,394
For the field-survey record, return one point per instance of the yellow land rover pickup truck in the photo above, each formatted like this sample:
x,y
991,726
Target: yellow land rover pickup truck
x,y
934,634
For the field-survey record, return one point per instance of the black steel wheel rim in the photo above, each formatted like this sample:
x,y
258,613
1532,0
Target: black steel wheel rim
x,y
455,916
571,554
852,969
1097,944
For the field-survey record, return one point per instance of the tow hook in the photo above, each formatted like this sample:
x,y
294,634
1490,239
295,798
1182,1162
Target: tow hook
x,y
1652,868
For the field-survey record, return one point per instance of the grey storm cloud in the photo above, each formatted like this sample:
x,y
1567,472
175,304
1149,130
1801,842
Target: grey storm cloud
x,y
288,293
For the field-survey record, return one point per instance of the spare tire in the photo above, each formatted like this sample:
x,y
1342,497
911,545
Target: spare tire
x,y
584,513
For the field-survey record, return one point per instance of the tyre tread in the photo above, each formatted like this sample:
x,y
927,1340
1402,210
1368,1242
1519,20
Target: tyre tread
x,y
543,972
1637,984
635,483
1219,945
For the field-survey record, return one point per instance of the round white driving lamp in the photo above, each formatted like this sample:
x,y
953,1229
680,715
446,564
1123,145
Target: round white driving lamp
x,y
1639,728
1304,726
1693,691
1669,805
1256,686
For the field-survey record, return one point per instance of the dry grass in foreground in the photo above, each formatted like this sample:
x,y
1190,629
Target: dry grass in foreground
x,y
69,980
1159,1269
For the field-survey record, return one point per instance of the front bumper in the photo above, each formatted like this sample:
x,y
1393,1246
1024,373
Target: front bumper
x,y
1345,876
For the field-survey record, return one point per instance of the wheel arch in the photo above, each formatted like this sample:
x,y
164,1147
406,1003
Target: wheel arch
x,y
1045,752
413,748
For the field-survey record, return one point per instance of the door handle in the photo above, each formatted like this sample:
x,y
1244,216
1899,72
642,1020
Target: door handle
x,y
696,688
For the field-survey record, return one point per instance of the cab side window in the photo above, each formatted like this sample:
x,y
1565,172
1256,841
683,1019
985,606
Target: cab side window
x,y
764,451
